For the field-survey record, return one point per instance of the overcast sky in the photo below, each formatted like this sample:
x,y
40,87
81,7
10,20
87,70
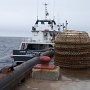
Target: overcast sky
x,y
17,16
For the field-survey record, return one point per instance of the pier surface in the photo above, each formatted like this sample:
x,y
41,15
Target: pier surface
x,y
69,80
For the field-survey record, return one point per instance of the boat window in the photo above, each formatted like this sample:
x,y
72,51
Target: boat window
x,y
23,46
49,22
50,46
33,28
45,34
51,34
38,46
42,22
36,22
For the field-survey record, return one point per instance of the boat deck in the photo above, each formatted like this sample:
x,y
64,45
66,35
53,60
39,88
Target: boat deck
x,y
69,80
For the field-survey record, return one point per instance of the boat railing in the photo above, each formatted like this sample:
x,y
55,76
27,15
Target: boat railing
x,y
24,52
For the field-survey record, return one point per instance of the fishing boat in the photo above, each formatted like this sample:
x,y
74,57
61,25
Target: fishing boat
x,y
42,39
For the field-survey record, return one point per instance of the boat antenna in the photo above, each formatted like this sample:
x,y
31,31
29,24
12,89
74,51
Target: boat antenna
x,y
66,25
46,12
63,27
37,9
53,9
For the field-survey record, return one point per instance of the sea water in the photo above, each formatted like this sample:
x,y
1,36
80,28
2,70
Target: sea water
x,y
7,45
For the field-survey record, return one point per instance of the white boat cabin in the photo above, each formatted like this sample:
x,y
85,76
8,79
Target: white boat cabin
x,y
44,31
43,35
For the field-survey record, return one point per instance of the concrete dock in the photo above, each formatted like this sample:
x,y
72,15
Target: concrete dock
x,y
69,80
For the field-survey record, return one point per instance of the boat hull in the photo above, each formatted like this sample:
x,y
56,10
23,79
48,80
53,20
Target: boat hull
x,y
21,58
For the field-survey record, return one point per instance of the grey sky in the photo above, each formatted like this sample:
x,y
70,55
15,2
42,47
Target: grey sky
x,y
17,16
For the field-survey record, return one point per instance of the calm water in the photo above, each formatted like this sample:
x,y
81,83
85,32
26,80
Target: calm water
x,y
7,44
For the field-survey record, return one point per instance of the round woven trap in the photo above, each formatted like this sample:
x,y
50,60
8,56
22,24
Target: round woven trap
x,y
72,49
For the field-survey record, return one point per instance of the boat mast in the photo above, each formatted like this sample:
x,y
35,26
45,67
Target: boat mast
x,y
46,12
53,9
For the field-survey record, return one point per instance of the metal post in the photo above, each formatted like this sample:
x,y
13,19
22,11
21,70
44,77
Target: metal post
x,y
66,25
